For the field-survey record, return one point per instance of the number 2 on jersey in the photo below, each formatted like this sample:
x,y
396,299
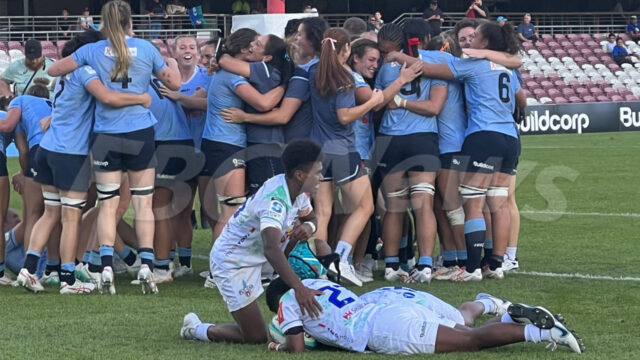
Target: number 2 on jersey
x,y
335,294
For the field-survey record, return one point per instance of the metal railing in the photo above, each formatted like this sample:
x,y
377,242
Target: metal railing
x,y
551,23
53,28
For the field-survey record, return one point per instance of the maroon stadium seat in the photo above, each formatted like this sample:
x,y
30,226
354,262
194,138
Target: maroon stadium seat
x,y
575,99
582,91
539,93
546,85
602,84
608,90
560,100
602,98
598,52
630,98
15,45
567,92
586,52
617,98
624,36
553,77
531,85
546,37
593,60
60,44
589,98
553,93
613,67
595,91
574,83
560,53
558,83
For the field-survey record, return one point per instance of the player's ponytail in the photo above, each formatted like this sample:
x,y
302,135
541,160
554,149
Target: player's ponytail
x,y
277,49
116,21
332,75
500,38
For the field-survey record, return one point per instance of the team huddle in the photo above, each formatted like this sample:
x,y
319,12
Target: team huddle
x,y
307,153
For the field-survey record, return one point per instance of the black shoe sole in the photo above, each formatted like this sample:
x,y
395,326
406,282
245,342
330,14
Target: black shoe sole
x,y
535,315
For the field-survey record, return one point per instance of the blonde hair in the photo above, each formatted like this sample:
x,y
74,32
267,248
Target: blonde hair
x,y
116,19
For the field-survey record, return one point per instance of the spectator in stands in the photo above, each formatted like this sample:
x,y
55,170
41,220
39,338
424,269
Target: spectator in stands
x,y
307,9
257,7
157,13
85,22
65,24
633,29
434,16
176,7
379,22
477,10
208,56
620,54
608,47
502,20
23,72
240,7
355,27
526,30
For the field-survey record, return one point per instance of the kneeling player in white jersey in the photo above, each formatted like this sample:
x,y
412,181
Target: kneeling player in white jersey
x,y
400,327
256,235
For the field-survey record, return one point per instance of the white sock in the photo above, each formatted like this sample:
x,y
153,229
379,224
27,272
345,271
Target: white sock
x,y
532,334
511,253
489,306
506,319
201,332
343,249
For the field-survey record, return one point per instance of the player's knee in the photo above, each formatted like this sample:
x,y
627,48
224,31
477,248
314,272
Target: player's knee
x,y
259,336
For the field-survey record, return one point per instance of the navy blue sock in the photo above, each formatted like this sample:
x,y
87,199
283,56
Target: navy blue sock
x,y
462,257
488,251
424,261
66,273
162,264
106,255
31,261
1,269
146,257
184,255
128,256
449,258
392,262
52,265
172,255
495,261
474,232
95,264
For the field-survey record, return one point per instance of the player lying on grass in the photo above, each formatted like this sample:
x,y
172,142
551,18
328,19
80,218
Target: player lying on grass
x,y
390,321
255,235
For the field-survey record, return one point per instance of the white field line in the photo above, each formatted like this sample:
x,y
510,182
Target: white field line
x,y
577,213
537,273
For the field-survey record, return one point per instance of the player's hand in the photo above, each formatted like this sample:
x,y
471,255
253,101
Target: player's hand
x,y
307,300
173,95
392,105
273,346
147,100
18,182
409,73
377,97
475,53
45,123
233,115
212,66
301,232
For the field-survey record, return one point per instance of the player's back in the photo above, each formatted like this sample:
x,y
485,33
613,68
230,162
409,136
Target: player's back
x,y
345,322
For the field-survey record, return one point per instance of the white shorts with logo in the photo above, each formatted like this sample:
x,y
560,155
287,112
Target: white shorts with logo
x,y
404,328
238,287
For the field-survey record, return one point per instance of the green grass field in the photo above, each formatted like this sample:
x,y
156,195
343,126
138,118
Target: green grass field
x,y
579,198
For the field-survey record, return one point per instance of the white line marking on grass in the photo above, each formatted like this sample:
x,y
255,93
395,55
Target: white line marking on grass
x,y
574,213
545,147
538,273
577,276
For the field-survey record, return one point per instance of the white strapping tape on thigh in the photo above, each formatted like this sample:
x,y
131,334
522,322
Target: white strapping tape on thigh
x,y
399,193
108,191
423,188
497,191
456,216
51,198
142,191
470,192
73,203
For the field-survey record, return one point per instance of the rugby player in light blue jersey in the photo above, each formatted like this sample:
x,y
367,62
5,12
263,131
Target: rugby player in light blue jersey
x,y
334,108
224,143
63,167
409,157
264,143
124,136
24,115
490,149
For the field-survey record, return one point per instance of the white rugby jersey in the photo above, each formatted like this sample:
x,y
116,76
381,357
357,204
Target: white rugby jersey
x,y
345,322
240,243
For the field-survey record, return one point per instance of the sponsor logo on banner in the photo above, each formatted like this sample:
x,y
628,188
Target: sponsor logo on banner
x,y
629,118
546,121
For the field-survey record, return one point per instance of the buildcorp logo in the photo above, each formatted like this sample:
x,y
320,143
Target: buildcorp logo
x,y
629,118
542,122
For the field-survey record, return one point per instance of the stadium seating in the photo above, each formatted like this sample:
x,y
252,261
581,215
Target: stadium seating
x,y
574,68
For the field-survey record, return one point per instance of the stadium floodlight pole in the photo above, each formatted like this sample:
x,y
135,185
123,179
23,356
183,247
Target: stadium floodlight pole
x,y
275,6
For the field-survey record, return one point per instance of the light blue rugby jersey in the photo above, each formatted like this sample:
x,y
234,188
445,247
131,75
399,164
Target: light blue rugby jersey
x,y
452,120
490,94
172,121
363,127
402,121
221,95
299,127
144,61
196,118
33,110
72,114
264,78
335,138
